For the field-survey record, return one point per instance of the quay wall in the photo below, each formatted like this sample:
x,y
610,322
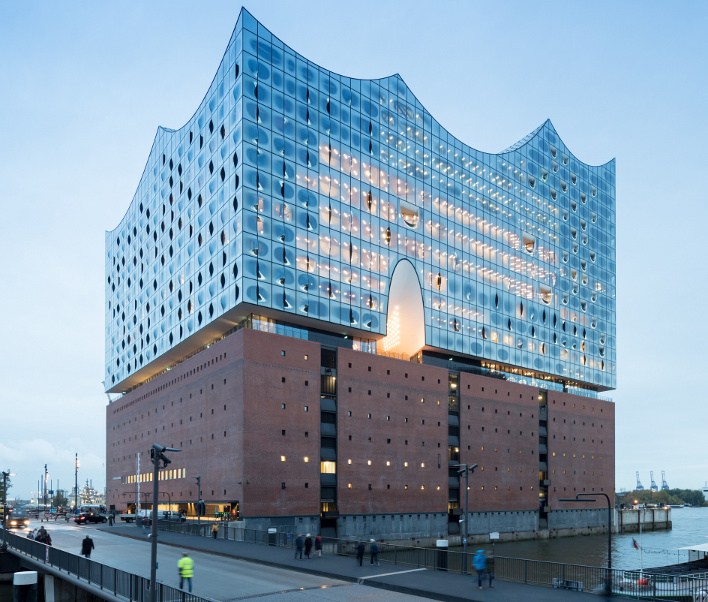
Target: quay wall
x,y
421,528
651,519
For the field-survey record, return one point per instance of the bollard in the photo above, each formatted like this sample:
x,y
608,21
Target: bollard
x,y
24,586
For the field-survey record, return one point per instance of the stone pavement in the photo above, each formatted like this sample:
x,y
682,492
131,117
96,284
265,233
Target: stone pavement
x,y
436,585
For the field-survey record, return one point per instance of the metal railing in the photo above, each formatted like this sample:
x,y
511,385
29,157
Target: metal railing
x,y
650,584
647,585
109,579
628,584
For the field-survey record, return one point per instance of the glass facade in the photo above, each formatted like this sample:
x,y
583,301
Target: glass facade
x,y
294,192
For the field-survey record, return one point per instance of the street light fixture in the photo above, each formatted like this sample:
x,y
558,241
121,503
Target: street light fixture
x,y
169,497
46,480
157,452
199,499
5,474
609,530
147,495
640,520
466,469
76,484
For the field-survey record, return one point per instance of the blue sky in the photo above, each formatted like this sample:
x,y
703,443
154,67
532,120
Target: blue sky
x,y
84,85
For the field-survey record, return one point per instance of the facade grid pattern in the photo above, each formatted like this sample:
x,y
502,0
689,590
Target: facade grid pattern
x,y
298,191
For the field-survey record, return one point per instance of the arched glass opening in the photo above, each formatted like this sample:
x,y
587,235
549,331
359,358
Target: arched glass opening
x,y
405,322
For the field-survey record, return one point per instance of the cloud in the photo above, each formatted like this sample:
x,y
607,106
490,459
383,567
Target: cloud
x,y
26,458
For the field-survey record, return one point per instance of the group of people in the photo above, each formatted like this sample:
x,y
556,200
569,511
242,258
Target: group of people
x,y
373,550
41,535
307,544
483,564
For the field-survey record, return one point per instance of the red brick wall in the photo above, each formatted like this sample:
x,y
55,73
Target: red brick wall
x,y
265,420
581,447
197,407
499,432
224,409
399,430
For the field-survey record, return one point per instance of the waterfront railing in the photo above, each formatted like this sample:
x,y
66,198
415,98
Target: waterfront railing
x,y
650,584
646,585
114,582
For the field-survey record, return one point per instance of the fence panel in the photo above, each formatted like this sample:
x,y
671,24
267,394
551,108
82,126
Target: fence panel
x,y
121,583
631,584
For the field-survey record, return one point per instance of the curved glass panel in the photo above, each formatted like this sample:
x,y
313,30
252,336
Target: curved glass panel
x,y
297,190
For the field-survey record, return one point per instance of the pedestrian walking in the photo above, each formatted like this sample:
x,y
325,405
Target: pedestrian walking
x,y
374,550
214,530
31,534
308,545
185,567
144,523
111,518
298,546
318,546
480,565
86,546
360,549
41,535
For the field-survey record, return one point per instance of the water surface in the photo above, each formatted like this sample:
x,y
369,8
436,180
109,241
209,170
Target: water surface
x,y
690,527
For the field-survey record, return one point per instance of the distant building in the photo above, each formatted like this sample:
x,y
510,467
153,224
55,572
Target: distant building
x,y
328,302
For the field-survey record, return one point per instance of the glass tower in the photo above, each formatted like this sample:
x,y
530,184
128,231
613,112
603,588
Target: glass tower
x,y
294,192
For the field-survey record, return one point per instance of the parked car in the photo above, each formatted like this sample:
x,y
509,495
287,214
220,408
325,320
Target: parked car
x,y
18,519
89,517
171,515
129,518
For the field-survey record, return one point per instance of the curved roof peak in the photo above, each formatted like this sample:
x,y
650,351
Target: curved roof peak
x,y
530,136
251,22
549,127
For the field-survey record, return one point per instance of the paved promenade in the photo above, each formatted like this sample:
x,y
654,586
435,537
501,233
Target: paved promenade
x,y
436,585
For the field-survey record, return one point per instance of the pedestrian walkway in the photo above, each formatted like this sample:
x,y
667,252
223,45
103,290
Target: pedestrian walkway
x,y
436,585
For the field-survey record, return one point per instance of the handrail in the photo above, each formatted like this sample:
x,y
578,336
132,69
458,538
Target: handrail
x,y
94,575
649,585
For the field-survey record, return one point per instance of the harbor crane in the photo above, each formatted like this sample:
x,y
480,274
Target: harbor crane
x,y
653,486
640,487
664,484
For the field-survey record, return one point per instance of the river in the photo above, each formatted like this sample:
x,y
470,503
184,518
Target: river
x,y
659,548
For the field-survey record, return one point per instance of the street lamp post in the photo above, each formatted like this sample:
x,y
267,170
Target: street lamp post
x,y
641,519
609,530
46,478
199,499
158,456
467,469
169,497
5,474
76,484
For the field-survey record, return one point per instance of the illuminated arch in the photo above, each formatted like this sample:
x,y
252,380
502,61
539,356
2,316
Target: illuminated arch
x,y
405,321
